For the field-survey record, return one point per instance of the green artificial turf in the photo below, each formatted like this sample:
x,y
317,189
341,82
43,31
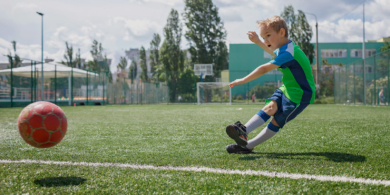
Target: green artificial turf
x,y
339,140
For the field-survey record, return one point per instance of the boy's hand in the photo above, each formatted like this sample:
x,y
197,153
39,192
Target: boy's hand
x,y
253,37
236,82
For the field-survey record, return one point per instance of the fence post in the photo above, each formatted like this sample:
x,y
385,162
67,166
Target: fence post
x,y
35,81
375,99
334,86
87,88
71,86
55,84
346,82
354,86
388,78
339,86
12,83
31,82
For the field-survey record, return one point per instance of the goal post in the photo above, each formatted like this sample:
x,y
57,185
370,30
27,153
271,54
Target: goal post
x,y
213,92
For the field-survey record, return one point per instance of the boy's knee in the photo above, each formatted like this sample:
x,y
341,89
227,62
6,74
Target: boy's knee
x,y
271,108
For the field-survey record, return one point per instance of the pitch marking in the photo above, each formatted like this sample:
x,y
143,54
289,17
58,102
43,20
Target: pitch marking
x,y
211,170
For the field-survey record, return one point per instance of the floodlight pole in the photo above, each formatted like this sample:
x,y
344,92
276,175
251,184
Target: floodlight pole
x,y
42,92
318,56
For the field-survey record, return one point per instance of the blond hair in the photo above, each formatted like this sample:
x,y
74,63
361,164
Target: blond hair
x,y
275,22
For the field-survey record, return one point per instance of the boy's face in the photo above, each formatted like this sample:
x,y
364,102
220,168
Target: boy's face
x,y
272,38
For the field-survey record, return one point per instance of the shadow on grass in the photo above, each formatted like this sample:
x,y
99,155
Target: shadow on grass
x,y
333,156
59,181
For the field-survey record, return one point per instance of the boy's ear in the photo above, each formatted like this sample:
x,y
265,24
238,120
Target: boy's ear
x,y
282,32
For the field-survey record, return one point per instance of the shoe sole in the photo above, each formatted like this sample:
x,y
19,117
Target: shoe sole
x,y
233,133
237,151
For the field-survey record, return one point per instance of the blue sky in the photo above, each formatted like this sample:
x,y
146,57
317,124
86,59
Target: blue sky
x,y
123,24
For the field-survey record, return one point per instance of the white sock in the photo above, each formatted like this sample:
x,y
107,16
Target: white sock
x,y
256,121
263,136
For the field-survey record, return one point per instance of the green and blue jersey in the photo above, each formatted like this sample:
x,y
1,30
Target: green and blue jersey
x,y
298,82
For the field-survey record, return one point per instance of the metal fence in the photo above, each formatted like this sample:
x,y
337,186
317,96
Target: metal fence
x,y
180,87
354,86
360,82
62,85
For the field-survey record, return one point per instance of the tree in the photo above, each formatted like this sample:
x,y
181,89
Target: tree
x,y
100,61
69,56
122,65
385,47
299,30
16,62
133,70
206,34
142,64
171,56
97,55
383,59
187,84
154,57
77,61
327,79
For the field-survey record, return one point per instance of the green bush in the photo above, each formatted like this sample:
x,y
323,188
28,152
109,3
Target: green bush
x,y
324,100
239,97
262,92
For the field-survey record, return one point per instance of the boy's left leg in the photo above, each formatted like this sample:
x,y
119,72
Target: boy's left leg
x,y
269,131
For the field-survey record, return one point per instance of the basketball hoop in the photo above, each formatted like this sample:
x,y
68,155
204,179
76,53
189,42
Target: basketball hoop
x,y
203,70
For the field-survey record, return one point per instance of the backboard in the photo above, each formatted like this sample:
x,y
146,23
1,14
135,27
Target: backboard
x,y
203,69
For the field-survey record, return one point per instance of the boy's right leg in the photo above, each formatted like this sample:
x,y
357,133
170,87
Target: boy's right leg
x,y
262,116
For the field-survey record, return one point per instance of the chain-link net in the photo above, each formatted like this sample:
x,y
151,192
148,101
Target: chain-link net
x,y
371,86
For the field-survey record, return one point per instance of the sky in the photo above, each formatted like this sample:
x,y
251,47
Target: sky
x,y
123,24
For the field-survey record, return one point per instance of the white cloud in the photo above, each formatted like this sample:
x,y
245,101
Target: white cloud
x,y
120,25
168,2
25,6
351,30
230,14
24,51
137,27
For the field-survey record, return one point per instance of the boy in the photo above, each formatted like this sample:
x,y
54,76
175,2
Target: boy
x,y
296,93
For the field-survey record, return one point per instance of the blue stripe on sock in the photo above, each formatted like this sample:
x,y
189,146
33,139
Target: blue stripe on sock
x,y
263,115
273,127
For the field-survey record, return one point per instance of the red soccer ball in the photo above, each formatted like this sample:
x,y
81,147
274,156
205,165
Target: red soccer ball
x,y
42,124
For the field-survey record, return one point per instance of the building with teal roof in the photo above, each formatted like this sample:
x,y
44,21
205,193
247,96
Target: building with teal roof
x,y
244,58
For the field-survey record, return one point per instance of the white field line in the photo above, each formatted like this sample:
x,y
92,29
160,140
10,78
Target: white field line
x,y
210,170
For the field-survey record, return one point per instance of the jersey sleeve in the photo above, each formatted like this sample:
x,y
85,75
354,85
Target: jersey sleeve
x,y
283,59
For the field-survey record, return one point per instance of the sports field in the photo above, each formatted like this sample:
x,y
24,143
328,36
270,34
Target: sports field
x,y
328,149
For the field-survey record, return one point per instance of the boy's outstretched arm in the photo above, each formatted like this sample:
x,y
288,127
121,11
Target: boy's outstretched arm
x,y
255,39
259,71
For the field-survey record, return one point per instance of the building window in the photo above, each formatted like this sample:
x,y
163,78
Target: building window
x,y
357,53
333,53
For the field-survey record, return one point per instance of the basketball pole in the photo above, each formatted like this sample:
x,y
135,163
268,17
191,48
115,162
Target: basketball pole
x,y
201,89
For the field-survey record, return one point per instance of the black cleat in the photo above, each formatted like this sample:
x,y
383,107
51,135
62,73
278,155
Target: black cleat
x,y
237,131
234,148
